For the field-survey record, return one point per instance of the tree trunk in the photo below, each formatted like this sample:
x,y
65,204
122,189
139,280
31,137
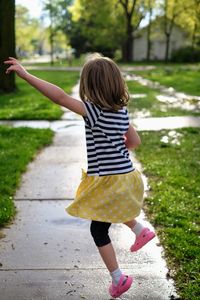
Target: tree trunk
x,y
193,44
194,36
52,48
128,44
127,50
7,43
149,32
148,42
167,47
51,38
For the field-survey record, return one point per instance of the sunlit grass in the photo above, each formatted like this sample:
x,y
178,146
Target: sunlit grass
x,y
173,203
183,79
17,147
28,104
151,105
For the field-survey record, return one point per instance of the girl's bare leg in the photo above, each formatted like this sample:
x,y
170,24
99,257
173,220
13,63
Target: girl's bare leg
x,y
131,223
108,255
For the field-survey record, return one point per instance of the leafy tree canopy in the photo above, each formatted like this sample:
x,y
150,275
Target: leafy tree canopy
x,y
28,31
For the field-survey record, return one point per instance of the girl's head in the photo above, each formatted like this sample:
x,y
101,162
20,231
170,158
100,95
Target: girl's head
x,y
102,83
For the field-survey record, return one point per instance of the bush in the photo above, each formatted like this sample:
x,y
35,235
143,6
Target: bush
x,y
186,54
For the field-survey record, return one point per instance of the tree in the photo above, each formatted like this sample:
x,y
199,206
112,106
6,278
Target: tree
x,y
51,8
77,38
28,32
134,12
59,18
189,20
196,24
7,42
172,11
150,9
108,25
114,25
102,31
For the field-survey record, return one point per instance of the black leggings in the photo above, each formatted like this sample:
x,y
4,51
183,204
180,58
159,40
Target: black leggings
x,y
99,232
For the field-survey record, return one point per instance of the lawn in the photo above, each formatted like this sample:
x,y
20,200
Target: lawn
x,y
149,106
184,78
171,162
18,146
28,104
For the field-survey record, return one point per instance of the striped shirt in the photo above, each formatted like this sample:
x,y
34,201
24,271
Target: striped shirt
x,y
106,150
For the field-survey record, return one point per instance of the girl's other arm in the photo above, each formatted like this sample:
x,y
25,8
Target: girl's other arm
x,y
132,139
49,90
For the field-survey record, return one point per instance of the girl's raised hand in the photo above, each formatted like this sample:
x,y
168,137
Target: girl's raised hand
x,y
16,67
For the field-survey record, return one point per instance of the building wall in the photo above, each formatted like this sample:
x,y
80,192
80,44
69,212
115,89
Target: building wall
x,y
177,41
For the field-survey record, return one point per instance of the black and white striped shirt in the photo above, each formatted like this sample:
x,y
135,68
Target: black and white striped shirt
x,y
106,150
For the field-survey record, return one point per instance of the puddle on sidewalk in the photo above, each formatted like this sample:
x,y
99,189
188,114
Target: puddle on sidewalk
x,y
57,126
169,95
69,221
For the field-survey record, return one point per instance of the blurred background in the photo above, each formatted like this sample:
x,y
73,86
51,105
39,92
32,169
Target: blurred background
x,y
62,31
125,30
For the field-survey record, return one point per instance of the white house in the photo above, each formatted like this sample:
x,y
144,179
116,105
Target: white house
x,y
158,42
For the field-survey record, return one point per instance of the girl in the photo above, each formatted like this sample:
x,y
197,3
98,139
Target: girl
x,y
112,189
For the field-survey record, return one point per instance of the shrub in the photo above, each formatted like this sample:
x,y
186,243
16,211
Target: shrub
x,y
186,54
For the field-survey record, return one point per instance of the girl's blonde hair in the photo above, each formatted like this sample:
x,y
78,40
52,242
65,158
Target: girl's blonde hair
x,y
102,83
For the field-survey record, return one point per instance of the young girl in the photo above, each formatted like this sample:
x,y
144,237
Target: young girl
x,y
112,189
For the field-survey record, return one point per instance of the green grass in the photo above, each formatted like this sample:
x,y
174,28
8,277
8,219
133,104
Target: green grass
x,y
181,77
18,147
28,104
173,202
151,104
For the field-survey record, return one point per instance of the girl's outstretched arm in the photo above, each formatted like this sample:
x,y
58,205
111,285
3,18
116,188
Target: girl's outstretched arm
x,y
49,90
132,139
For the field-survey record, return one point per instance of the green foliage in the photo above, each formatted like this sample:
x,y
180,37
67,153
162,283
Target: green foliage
x,y
28,104
60,22
186,54
59,11
189,20
102,31
105,26
28,33
33,37
173,205
112,28
14,157
77,38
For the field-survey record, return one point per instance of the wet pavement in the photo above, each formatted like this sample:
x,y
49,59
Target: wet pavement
x,y
140,124
54,68
168,95
78,68
46,254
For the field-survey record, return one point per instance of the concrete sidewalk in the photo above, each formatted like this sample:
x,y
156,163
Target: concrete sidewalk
x,y
48,255
140,124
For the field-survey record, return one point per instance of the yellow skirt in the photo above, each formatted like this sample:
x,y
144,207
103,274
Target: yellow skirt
x,y
113,198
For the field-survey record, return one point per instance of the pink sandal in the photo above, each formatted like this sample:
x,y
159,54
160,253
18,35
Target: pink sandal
x,y
142,239
123,285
